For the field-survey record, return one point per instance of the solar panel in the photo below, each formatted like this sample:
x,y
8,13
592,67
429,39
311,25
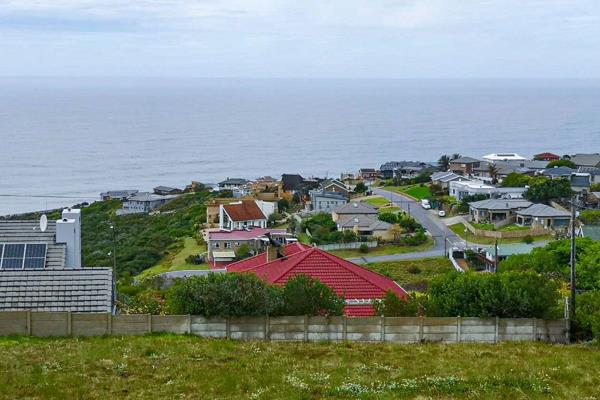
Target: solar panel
x,y
19,255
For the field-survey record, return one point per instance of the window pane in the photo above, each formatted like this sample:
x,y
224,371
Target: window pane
x,y
12,263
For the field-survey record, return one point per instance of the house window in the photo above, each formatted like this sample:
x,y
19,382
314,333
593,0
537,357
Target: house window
x,y
227,245
216,245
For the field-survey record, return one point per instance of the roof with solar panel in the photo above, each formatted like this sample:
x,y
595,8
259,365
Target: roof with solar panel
x,y
40,268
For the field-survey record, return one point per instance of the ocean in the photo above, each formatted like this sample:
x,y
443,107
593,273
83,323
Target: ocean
x,y
77,137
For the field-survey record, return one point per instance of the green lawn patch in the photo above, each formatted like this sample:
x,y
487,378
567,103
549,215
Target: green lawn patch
x,y
177,367
413,274
377,201
393,209
177,261
459,229
384,250
417,191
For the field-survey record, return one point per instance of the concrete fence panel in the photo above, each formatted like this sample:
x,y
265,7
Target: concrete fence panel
x,y
14,323
294,328
50,324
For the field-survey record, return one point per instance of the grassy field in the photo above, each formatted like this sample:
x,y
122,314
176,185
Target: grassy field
x,y
417,191
459,229
393,209
186,367
413,274
507,228
177,261
383,250
377,201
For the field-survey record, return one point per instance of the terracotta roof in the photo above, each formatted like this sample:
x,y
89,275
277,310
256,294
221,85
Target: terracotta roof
x,y
362,310
247,210
344,277
261,258
549,156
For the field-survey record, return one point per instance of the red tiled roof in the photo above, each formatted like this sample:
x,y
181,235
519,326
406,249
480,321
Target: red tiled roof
x,y
549,156
247,210
249,263
345,278
362,310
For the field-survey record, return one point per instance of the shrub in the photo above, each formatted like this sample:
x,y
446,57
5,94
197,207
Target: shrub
x,y
509,295
223,295
414,305
364,248
413,269
242,252
303,295
528,239
587,316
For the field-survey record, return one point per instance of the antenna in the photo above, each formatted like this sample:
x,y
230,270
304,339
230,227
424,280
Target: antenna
x,y
43,223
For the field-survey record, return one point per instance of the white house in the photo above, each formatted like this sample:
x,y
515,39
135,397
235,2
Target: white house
x,y
326,201
462,189
495,157
245,214
144,203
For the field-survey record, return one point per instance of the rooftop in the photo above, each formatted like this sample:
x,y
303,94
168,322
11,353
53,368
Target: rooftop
x,y
245,210
28,232
464,160
233,181
503,157
356,208
364,222
500,204
544,211
586,160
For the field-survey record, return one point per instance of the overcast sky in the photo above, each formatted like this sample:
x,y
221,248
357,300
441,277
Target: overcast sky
x,y
302,38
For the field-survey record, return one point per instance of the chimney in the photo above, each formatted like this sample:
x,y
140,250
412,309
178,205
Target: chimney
x,y
271,253
68,231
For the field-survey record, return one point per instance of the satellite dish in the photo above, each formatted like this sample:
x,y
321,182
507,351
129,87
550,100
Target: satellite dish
x,y
43,223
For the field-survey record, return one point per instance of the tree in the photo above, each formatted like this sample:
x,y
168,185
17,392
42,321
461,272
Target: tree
x,y
542,189
242,252
588,314
515,179
392,305
493,172
561,163
444,162
360,188
590,217
595,187
456,156
303,295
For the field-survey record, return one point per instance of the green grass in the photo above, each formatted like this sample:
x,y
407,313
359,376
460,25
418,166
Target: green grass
x,y
383,250
178,367
176,261
507,228
413,274
393,209
377,201
417,191
459,229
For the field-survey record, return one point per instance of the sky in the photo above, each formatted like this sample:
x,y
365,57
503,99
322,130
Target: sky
x,y
544,39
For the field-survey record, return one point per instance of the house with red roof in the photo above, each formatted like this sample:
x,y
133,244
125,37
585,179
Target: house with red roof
x,y
245,214
546,157
359,286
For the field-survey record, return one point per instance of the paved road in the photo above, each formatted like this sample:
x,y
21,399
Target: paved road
x,y
438,230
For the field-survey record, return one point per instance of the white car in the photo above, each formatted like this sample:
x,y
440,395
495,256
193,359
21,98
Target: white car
x,y
425,204
441,213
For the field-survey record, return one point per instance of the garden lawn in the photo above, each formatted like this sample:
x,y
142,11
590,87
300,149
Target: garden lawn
x,y
413,274
178,367
177,261
393,209
417,191
377,201
383,250
459,229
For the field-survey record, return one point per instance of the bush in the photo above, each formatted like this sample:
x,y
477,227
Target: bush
x,y
223,295
587,315
528,239
303,295
413,269
364,248
414,305
242,252
507,295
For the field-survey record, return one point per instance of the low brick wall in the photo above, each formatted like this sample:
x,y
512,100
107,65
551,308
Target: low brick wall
x,y
307,329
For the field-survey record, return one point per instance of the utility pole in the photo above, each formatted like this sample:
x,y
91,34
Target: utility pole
x,y
496,256
573,258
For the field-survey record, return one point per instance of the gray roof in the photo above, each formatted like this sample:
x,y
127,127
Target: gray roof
x,y
145,196
29,232
581,180
233,181
529,164
165,189
558,171
586,160
465,160
500,204
445,176
356,208
119,193
589,170
364,222
544,211
328,195
77,290
329,182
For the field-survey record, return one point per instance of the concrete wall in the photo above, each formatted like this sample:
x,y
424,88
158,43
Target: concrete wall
x,y
298,328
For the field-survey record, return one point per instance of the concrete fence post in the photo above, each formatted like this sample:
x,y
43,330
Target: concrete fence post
x,y
382,328
228,327
69,324
568,330
421,322
306,328
496,331
108,323
458,329
534,329
189,324
345,328
268,328
149,322
29,323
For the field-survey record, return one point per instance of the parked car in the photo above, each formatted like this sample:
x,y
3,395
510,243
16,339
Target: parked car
x,y
425,204
441,213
